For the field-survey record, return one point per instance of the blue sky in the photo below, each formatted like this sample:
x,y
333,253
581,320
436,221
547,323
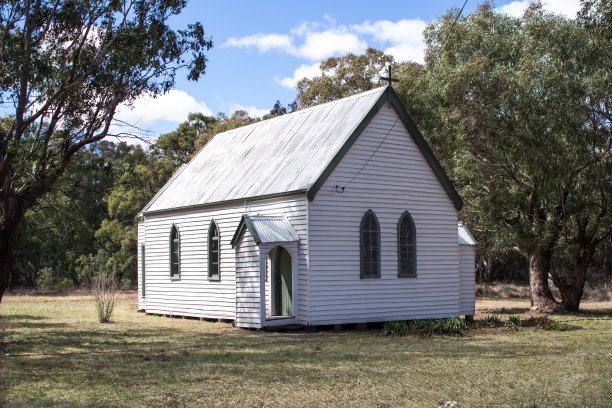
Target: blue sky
x,y
262,47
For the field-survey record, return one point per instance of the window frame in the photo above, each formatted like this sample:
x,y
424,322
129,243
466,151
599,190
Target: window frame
x,y
210,239
362,248
175,275
412,266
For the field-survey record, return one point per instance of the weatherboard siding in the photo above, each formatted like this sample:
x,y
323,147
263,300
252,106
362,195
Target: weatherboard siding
x,y
193,294
248,304
395,179
141,241
467,299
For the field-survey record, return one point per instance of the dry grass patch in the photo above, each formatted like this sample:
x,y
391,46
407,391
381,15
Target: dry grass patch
x,y
57,354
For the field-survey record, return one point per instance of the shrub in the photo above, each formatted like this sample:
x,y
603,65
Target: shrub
x,y
452,326
514,322
396,328
490,321
105,294
65,284
126,284
546,323
46,279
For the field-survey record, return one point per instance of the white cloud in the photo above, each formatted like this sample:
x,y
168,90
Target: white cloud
x,y
173,106
516,8
316,41
251,110
324,44
309,40
567,8
263,42
405,37
304,71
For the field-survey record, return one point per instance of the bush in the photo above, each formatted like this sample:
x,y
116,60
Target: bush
x,y
397,328
490,321
65,284
105,295
126,284
46,279
514,322
452,326
546,323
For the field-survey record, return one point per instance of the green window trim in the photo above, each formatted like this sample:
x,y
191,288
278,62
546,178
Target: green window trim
x,y
406,247
369,246
175,253
214,251
142,270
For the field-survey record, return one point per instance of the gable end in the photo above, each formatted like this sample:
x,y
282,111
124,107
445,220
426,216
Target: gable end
x,y
389,95
245,223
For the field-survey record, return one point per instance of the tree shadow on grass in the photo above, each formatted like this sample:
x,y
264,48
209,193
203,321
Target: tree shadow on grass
x,y
135,362
11,317
504,310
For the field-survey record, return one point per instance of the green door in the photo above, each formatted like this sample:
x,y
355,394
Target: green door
x,y
282,283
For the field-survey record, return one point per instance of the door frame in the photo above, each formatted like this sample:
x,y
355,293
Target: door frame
x,y
277,286
264,250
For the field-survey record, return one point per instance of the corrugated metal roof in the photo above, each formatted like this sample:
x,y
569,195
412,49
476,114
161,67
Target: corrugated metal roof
x,y
465,237
280,155
274,229
266,229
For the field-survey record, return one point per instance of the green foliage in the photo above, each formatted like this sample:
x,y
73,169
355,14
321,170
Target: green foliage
x,y
398,328
46,279
517,110
180,145
514,322
341,77
546,323
452,326
65,284
65,67
490,321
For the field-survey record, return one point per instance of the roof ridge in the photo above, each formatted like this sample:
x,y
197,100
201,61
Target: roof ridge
x,y
307,109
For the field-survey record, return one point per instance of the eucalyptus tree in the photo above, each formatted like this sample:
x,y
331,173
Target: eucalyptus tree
x,y
517,99
341,77
65,66
589,218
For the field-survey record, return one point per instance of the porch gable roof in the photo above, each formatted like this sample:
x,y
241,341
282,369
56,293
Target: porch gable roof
x,y
265,229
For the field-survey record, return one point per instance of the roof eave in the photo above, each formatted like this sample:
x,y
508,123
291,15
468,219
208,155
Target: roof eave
x,y
232,201
245,222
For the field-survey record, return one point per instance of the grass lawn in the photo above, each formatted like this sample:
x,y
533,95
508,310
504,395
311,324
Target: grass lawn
x,y
55,353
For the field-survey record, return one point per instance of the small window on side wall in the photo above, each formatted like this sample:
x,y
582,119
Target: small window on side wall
x,y
370,246
175,253
214,251
406,246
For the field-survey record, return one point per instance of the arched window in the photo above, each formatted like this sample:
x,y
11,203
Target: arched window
x,y
214,251
406,246
175,253
370,246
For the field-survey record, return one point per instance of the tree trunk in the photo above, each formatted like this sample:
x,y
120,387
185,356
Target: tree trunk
x,y
572,287
540,295
11,217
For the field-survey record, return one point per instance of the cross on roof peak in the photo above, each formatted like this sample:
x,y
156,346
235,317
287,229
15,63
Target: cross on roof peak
x,y
389,78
